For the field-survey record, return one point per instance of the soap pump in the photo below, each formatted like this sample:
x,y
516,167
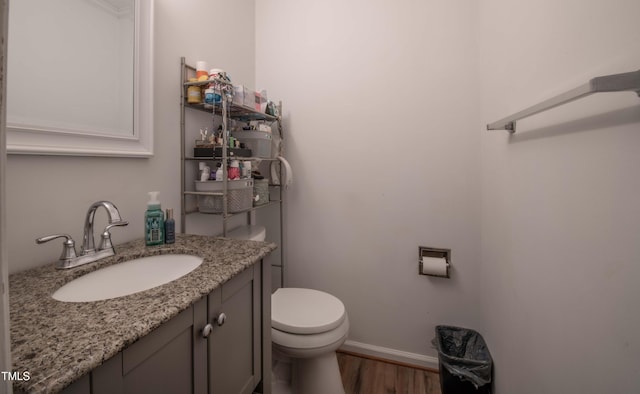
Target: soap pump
x,y
154,221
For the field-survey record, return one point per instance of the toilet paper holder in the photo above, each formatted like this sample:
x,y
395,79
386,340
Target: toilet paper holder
x,y
438,253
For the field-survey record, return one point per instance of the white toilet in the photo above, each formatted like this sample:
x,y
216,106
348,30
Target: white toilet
x,y
307,326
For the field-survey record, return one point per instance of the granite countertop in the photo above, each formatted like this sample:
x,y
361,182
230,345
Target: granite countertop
x,y
59,342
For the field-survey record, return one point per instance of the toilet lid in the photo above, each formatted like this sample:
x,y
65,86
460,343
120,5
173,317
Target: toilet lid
x,y
305,311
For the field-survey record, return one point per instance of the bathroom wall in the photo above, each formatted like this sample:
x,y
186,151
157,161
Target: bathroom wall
x,y
560,212
51,194
5,354
381,109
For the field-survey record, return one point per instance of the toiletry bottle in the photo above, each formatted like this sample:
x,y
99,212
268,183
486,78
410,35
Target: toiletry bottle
x,y
169,228
206,173
219,174
246,169
234,170
154,221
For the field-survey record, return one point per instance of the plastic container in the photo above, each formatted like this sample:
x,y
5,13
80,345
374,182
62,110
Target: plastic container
x,y
194,93
209,97
260,103
239,94
464,360
245,169
261,191
248,98
234,170
258,141
239,196
201,70
217,73
206,173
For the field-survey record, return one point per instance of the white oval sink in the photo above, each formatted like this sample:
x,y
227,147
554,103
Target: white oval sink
x,y
127,278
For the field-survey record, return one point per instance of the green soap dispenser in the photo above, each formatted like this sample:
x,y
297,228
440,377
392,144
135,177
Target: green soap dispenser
x,y
154,221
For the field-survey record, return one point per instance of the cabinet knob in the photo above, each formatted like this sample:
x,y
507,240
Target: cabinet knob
x,y
221,319
206,331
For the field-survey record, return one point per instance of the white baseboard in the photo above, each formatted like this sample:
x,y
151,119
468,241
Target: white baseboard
x,y
419,360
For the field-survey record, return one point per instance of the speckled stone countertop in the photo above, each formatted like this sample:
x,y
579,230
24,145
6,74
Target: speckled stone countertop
x,y
59,342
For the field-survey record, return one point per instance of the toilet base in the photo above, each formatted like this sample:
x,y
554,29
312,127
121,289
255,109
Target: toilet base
x,y
317,375
280,373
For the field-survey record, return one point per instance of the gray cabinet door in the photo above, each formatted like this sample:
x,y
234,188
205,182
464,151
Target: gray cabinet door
x,y
167,360
161,362
234,345
171,359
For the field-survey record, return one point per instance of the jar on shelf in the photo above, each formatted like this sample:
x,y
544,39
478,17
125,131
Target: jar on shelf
x,y
194,93
209,97
201,71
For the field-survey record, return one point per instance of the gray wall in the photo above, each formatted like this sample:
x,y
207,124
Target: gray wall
x,y
382,107
388,107
560,212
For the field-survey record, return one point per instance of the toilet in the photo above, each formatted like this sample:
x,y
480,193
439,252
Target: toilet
x,y
307,326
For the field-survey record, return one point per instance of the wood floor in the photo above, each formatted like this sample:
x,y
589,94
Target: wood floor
x,y
367,376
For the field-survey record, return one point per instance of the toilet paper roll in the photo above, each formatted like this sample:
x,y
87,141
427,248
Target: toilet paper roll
x,y
434,266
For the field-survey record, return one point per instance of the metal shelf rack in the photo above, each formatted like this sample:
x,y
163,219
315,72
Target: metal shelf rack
x,y
225,110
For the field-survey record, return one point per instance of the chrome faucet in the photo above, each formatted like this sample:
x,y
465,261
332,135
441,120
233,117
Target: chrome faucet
x,y
88,253
88,244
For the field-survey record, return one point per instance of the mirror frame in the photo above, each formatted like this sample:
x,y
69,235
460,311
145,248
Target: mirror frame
x,y
23,139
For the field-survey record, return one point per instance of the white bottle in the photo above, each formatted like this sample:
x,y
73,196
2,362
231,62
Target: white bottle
x,y
206,173
219,174
246,169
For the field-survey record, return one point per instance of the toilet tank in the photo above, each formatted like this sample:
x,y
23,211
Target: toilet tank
x,y
252,233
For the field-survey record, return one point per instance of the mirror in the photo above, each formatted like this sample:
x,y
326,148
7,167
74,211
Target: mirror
x,y
80,77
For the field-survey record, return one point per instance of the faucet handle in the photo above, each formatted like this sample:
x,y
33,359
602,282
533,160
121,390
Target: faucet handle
x,y
68,246
105,242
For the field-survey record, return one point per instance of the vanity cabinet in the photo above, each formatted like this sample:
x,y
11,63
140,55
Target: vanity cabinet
x,y
160,362
234,344
216,346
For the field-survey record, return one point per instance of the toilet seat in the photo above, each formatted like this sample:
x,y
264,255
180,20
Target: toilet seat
x,y
299,345
305,311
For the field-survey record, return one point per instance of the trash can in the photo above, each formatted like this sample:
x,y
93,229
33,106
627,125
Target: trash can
x,y
464,360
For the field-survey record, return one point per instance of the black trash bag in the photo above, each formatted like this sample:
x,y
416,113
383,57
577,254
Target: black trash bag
x,y
463,352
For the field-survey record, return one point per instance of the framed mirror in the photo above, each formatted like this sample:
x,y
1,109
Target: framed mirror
x,y
80,78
